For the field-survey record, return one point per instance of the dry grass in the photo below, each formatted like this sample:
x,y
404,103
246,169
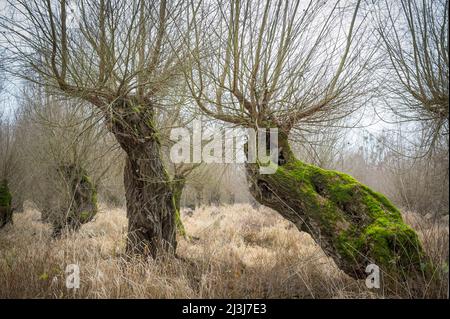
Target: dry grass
x,y
238,252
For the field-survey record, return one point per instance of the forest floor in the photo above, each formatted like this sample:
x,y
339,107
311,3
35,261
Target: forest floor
x,y
233,252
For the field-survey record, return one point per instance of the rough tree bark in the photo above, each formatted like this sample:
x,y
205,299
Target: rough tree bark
x,y
82,201
5,204
148,190
353,224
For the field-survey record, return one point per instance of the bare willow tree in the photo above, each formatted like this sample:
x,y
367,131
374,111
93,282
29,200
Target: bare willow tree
x,y
11,174
64,155
414,34
6,163
283,63
118,56
5,195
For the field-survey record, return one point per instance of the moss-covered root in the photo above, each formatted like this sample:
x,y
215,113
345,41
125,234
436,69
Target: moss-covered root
x,y
5,204
353,224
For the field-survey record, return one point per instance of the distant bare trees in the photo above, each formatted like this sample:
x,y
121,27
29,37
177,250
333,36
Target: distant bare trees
x,y
7,163
8,156
414,35
11,169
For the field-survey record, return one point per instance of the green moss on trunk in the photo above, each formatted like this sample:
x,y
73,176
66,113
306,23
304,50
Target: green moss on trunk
x,y
81,206
177,186
353,224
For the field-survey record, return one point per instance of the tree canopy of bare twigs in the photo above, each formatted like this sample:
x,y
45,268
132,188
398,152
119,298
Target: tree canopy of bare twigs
x,y
120,56
276,63
414,35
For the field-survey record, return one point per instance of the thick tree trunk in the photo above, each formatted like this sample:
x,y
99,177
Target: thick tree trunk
x,y
148,190
150,207
353,224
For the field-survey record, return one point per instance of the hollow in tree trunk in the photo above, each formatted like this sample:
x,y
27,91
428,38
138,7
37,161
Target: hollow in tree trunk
x,y
353,224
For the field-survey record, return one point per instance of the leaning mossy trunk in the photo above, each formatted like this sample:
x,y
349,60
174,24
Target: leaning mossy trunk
x,y
82,201
5,204
353,224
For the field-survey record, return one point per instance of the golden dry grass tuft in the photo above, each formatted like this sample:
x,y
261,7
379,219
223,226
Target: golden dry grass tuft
x,y
233,252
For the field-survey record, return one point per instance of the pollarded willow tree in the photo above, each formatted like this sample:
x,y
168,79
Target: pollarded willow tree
x,y
63,151
11,176
9,168
280,63
120,57
6,161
